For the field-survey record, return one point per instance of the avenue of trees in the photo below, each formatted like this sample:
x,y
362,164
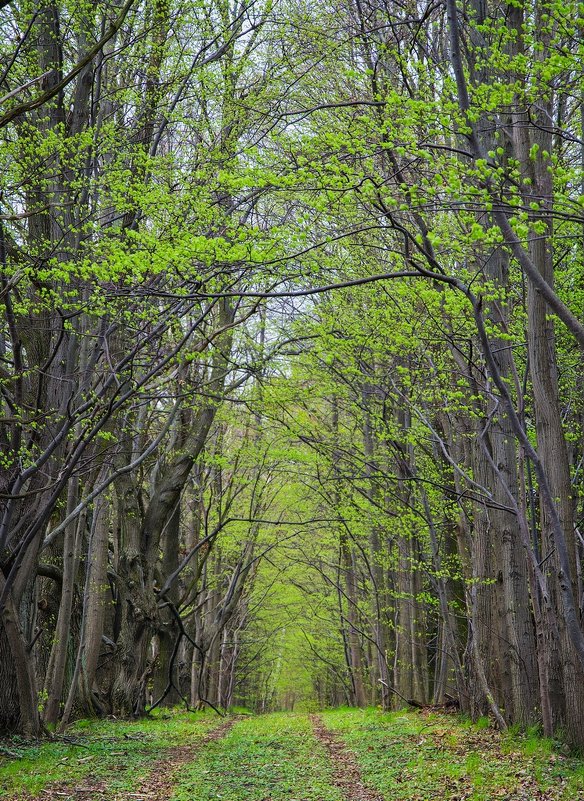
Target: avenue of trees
x,y
291,357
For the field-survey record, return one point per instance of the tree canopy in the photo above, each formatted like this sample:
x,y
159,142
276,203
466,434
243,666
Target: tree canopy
x,y
290,357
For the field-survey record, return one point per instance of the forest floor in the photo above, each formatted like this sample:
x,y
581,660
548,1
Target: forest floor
x,y
341,755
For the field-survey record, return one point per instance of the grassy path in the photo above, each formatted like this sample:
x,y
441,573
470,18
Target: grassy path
x,y
269,758
436,757
104,761
344,755
346,772
159,784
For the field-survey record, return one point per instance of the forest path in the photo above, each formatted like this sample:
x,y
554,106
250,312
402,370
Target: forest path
x,y
160,783
405,756
124,778
346,775
339,755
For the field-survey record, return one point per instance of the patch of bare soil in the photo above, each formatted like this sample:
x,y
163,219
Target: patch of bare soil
x,y
346,773
158,785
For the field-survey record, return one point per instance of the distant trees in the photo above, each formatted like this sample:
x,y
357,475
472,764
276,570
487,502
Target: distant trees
x,y
457,178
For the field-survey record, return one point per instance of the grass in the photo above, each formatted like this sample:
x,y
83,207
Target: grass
x,y
268,758
404,756
119,752
426,757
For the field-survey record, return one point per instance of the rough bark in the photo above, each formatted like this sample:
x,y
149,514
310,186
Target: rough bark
x,y
96,599
61,650
19,709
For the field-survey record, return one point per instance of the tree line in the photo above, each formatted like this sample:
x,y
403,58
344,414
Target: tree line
x,y
290,357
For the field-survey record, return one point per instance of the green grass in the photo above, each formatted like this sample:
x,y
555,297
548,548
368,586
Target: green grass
x,y
409,756
404,756
119,752
273,757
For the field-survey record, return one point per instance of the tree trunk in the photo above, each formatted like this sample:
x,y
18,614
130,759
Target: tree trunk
x,y
352,614
166,680
18,693
61,650
96,597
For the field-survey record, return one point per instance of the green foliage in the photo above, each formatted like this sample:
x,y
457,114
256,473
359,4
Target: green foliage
x,y
345,433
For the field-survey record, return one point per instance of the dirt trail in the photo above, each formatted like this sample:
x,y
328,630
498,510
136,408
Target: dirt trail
x,y
157,786
346,773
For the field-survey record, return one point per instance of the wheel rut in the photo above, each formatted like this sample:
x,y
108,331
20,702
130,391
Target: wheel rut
x,y
158,785
346,772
